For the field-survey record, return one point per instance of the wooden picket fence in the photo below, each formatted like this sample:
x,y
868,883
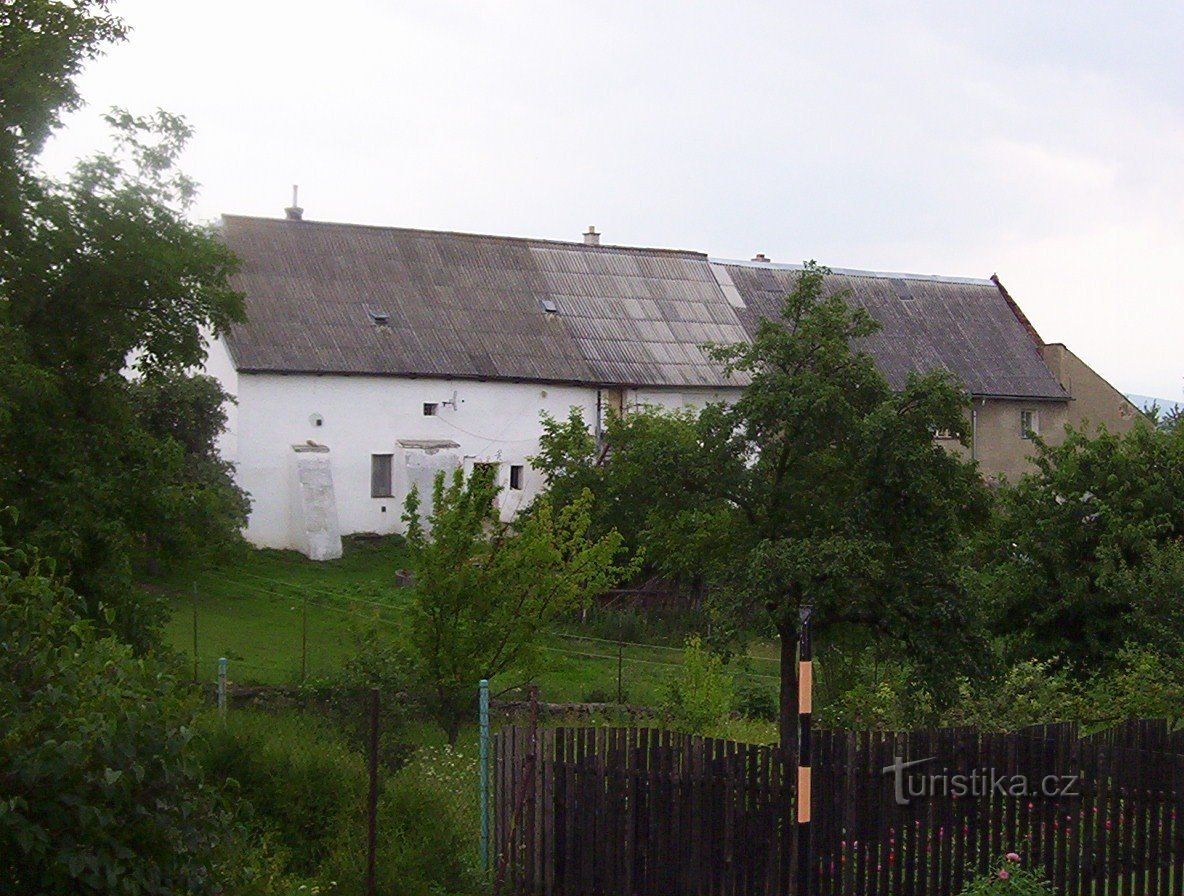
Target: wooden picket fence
x,y
625,811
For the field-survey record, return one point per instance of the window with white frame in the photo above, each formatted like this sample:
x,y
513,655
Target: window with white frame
x,y
1029,424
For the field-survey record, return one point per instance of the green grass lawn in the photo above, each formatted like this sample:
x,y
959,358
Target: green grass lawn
x,y
270,612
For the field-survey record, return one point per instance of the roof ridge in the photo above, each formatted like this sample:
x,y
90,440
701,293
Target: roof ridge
x,y
856,272
532,241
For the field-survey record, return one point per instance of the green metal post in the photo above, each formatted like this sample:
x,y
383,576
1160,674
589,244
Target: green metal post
x,y
483,710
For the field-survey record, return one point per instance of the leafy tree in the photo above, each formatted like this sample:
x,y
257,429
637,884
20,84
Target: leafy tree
x,y
649,480
1169,420
97,790
106,270
484,590
43,46
1087,551
819,485
196,509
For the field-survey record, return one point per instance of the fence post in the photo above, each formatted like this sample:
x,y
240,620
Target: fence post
x,y
196,679
620,655
805,710
304,642
372,833
483,718
222,664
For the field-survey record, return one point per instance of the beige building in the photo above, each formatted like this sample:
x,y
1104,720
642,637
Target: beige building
x,y
1094,402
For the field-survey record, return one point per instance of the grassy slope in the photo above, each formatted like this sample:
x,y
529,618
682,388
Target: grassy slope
x,y
251,611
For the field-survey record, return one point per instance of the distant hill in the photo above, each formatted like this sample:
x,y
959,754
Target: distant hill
x,y
1144,401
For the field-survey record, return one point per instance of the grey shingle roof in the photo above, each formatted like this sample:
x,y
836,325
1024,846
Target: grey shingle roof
x,y
343,298
462,305
958,324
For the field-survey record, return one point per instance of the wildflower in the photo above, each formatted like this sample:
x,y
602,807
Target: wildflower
x,y
1013,857
1004,874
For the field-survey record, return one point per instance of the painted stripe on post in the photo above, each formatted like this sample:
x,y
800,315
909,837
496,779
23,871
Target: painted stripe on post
x,y
804,794
805,687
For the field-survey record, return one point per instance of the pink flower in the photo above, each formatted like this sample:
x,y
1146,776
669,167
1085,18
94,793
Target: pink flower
x,y
1013,857
1004,874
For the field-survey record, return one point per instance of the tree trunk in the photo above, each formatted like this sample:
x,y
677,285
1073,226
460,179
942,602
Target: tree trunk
x,y
788,722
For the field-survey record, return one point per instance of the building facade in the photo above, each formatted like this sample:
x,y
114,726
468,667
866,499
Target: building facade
x,y
373,358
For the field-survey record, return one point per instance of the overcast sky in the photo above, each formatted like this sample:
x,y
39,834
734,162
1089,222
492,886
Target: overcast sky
x,y
1044,142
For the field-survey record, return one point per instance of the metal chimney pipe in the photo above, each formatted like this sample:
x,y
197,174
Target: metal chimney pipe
x,y
294,212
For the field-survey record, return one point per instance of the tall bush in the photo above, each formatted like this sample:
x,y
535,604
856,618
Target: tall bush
x,y
701,694
98,790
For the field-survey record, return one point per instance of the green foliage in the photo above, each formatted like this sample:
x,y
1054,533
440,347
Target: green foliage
x,y
860,688
100,793
754,698
379,663
647,473
105,267
1029,693
1009,876
196,510
701,694
422,850
1144,683
303,793
43,46
484,590
820,485
301,781
1086,554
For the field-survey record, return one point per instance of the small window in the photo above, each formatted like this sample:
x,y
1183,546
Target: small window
x,y
380,476
549,306
1029,424
516,477
430,408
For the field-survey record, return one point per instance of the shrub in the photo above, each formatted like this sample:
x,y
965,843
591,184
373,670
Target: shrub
x,y
701,694
423,850
600,695
301,781
1009,876
1029,693
100,792
379,663
306,793
1145,684
862,688
754,699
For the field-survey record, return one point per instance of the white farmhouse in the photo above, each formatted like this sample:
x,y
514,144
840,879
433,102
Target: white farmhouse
x,y
373,357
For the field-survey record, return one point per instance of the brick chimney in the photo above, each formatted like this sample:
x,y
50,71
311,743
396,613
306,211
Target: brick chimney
x,y
760,256
591,237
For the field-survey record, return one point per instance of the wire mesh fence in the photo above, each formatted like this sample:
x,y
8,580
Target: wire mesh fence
x,y
275,632
346,780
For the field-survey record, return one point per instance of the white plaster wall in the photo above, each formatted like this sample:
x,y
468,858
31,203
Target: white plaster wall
x,y
493,422
220,367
